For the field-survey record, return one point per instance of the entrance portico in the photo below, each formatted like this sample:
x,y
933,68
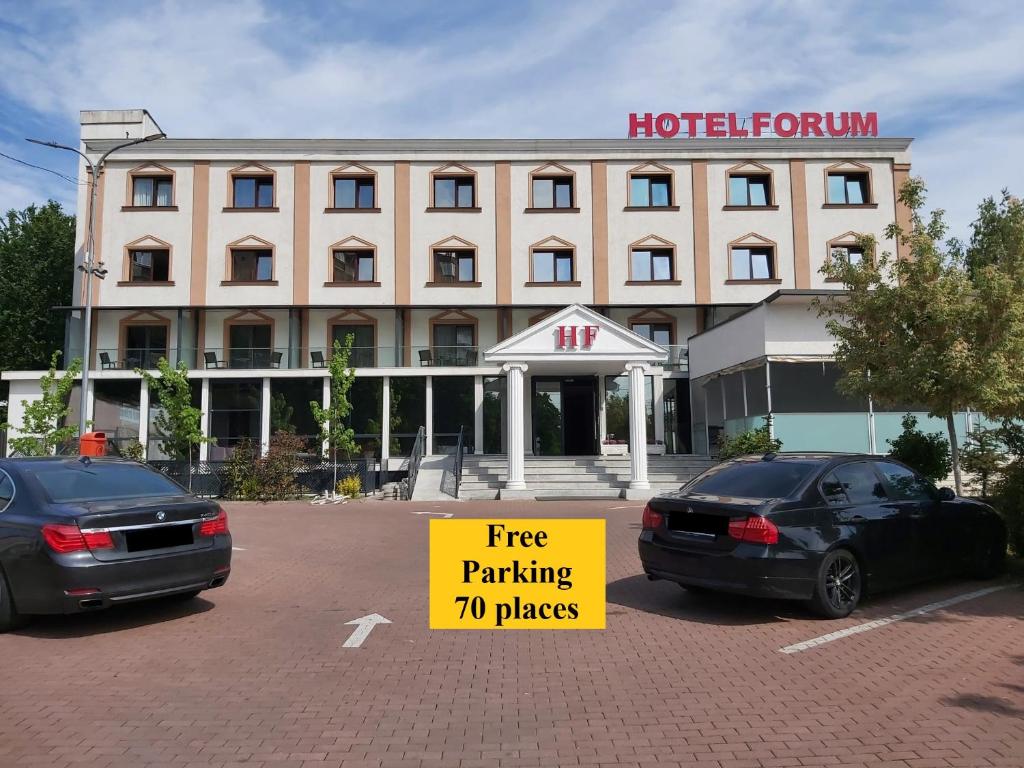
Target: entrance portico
x,y
575,342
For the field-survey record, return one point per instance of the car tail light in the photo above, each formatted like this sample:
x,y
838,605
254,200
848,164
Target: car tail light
x,y
216,526
651,518
755,529
69,538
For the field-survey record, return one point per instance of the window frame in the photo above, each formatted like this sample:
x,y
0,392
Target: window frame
x,y
150,171
557,252
258,173
846,169
355,321
846,241
358,177
139,319
555,178
459,254
454,172
152,281
361,252
754,242
145,243
233,278
649,177
632,279
156,179
759,173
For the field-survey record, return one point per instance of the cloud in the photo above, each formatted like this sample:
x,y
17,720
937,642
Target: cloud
x,y
252,68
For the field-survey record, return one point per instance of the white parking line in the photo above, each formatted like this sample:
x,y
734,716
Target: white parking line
x,y
878,623
630,506
238,549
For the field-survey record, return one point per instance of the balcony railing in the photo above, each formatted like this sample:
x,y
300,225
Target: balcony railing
x,y
270,358
678,357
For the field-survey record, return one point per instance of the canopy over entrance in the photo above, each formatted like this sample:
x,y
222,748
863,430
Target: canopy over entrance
x,y
576,340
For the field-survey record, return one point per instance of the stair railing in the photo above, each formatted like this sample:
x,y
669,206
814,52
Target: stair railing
x,y
415,457
459,453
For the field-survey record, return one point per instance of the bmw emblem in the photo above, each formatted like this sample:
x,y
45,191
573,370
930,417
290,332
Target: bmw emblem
x,y
161,515
689,510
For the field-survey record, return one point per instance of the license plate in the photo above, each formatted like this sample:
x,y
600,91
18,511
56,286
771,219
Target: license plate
x,y
158,538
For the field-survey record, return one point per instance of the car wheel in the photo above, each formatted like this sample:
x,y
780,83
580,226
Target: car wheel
x,y
838,587
9,616
990,556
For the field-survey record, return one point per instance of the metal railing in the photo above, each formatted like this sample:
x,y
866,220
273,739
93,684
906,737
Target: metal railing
x,y
415,457
457,468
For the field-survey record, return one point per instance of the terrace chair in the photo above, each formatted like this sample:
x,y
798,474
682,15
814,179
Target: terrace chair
x,y
317,359
426,357
210,358
106,363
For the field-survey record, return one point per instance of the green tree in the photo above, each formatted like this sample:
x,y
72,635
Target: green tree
x,y
333,420
37,267
43,424
281,414
943,327
983,456
178,423
926,453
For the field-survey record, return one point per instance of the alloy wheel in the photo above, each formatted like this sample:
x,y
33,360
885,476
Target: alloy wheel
x,y
842,582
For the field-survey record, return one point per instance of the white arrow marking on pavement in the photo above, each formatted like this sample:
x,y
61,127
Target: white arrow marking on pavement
x,y
442,514
362,631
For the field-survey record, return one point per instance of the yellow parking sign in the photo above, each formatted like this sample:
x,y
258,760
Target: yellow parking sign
x,y
517,574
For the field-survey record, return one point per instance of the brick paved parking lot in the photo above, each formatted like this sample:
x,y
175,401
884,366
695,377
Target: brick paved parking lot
x,y
254,674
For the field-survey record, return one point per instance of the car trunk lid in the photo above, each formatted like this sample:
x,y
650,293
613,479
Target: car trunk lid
x,y
155,526
701,522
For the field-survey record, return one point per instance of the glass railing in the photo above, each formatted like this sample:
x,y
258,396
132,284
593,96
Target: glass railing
x,y
678,357
270,358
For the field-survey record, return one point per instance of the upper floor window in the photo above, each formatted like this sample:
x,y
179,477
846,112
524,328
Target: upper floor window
x,y
552,192
848,188
454,192
852,254
553,266
650,265
252,265
650,191
149,265
152,191
453,335
753,263
659,333
353,266
252,191
750,190
354,192
454,266
144,345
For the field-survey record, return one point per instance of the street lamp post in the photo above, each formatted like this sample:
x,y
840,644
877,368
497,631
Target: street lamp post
x,y
88,267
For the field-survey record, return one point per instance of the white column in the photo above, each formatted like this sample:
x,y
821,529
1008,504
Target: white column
x,y
265,417
637,427
90,403
204,418
602,413
144,417
385,422
478,414
429,425
325,402
516,465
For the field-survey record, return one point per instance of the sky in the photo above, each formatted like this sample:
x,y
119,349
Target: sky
x,y
948,74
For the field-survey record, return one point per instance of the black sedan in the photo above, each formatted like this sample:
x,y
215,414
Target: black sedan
x,y
823,528
78,534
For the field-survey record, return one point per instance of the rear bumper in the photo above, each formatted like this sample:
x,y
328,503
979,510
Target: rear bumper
x,y
749,569
122,581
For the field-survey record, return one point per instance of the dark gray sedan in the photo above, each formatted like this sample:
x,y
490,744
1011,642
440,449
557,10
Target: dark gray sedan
x,y
80,534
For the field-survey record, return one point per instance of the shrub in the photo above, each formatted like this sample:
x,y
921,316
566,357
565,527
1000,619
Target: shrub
x,y
250,476
132,450
983,455
758,441
1008,499
350,486
928,454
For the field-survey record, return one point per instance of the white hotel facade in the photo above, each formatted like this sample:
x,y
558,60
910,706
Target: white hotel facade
x,y
459,267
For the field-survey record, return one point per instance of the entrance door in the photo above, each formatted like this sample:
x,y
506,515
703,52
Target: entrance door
x,y
565,416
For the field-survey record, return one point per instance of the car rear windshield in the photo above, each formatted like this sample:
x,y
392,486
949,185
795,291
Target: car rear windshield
x,y
95,482
754,479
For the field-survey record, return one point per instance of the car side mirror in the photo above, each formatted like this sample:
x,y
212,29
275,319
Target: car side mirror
x,y
946,494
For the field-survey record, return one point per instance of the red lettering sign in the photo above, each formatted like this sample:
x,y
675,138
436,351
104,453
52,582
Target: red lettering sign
x,y
732,125
568,336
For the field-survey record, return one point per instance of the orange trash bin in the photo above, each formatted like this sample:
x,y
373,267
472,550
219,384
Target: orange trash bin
x,y
93,444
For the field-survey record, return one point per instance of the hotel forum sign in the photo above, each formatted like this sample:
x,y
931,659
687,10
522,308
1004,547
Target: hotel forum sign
x,y
730,125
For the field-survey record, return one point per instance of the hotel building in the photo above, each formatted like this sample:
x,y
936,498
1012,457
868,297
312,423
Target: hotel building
x,y
548,297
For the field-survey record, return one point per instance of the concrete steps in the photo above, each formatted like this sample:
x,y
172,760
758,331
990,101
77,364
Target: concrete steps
x,y
567,477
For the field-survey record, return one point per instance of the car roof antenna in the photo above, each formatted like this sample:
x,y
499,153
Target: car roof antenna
x,y
85,460
768,456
